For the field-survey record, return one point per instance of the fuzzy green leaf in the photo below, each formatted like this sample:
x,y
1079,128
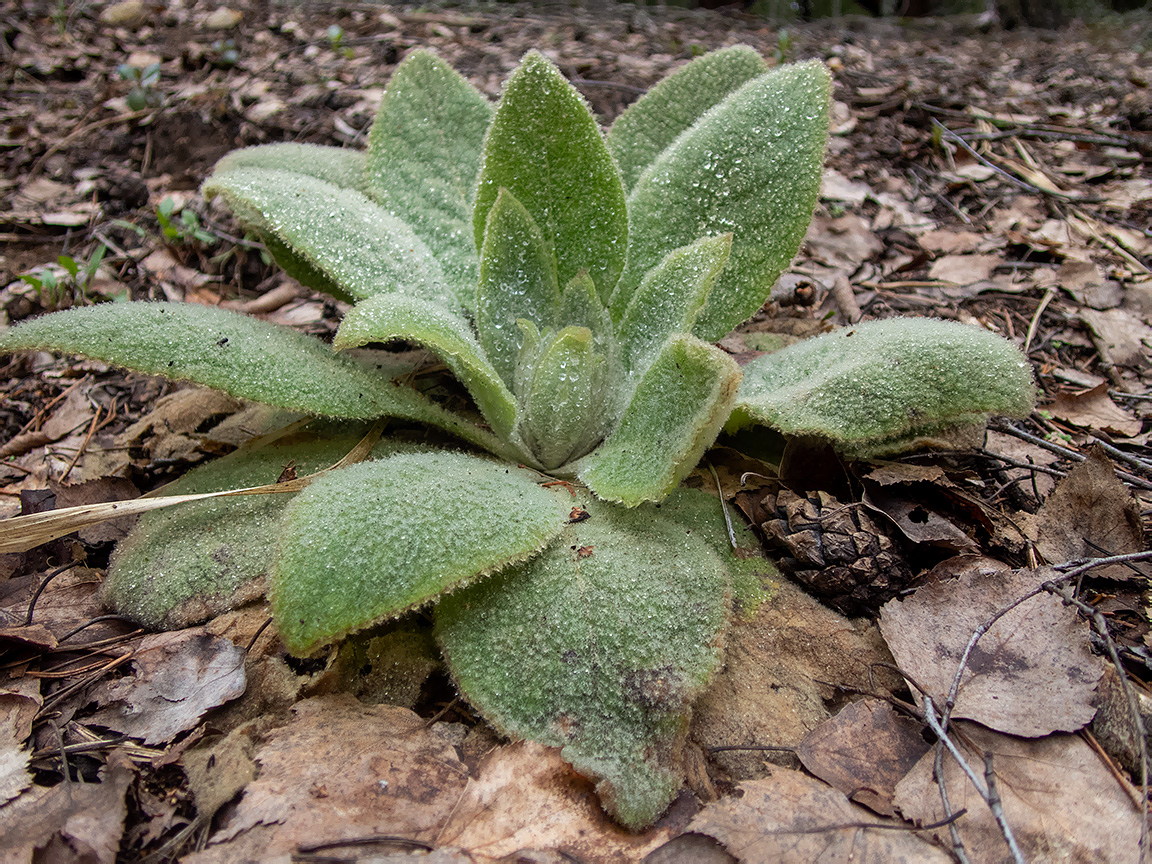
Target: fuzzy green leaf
x,y
873,388
671,296
598,646
243,356
424,157
676,411
449,336
339,232
517,280
562,414
544,146
184,564
374,540
653,121
336,165
751,166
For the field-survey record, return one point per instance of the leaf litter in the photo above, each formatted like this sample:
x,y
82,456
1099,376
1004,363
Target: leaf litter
x,y
1025,210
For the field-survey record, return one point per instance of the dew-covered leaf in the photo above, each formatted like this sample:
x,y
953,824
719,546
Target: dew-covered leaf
x,y
373,540
751,166
424,157
654,120
670,297
561,405
675,414
449,336
339,232
243,356
336,165
598,646
544,146
875,388
517,280
184,564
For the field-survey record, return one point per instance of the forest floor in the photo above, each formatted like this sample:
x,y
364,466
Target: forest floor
x,y
995,178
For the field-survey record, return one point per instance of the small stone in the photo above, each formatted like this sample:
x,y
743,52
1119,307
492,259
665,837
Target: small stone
x,y
223,19
129,13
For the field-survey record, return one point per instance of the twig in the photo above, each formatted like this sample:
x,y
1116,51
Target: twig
x,y
1001,425
997,812
1120,455
1015,181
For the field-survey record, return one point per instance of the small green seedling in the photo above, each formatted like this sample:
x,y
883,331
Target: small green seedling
x,y
69,282
184,229
335,36
575,284
143,94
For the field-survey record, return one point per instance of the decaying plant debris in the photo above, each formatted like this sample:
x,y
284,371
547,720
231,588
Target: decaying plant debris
x,y
900,248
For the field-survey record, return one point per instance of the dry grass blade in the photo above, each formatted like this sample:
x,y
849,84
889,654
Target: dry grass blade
x,y
22,533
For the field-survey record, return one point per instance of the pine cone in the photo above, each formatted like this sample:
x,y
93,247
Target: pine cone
x,y
835,551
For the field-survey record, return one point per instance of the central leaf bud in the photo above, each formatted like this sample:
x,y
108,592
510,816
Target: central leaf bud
x,y
559,383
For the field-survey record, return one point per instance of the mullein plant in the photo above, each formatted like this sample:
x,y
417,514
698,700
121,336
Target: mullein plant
x,y
574,282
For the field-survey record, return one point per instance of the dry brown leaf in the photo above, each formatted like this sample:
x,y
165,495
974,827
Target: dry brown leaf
x,y
790,818
69,600
176,426
1122,338
1094,409
950,242
916,520
769,691
179,677
964,269
19,701
525,796
1089,514
68,822
1031,674
844,241
339,771
1062,803
218,771
864,751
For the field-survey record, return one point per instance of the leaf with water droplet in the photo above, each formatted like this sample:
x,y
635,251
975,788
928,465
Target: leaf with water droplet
x,y
423,159
373,540
878,387
651,123
517,281
675,413
765,199
607,671
544,146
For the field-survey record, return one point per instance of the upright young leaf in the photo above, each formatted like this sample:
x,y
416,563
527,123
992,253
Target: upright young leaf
x,y
424,158
562,412
676,412
544,146
873,388
336,165
449,336
517,280
339,232
598,646
671,296
653,121
373,540
750,166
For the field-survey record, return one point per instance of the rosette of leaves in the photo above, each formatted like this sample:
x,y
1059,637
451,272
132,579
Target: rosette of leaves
x,y
574,283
